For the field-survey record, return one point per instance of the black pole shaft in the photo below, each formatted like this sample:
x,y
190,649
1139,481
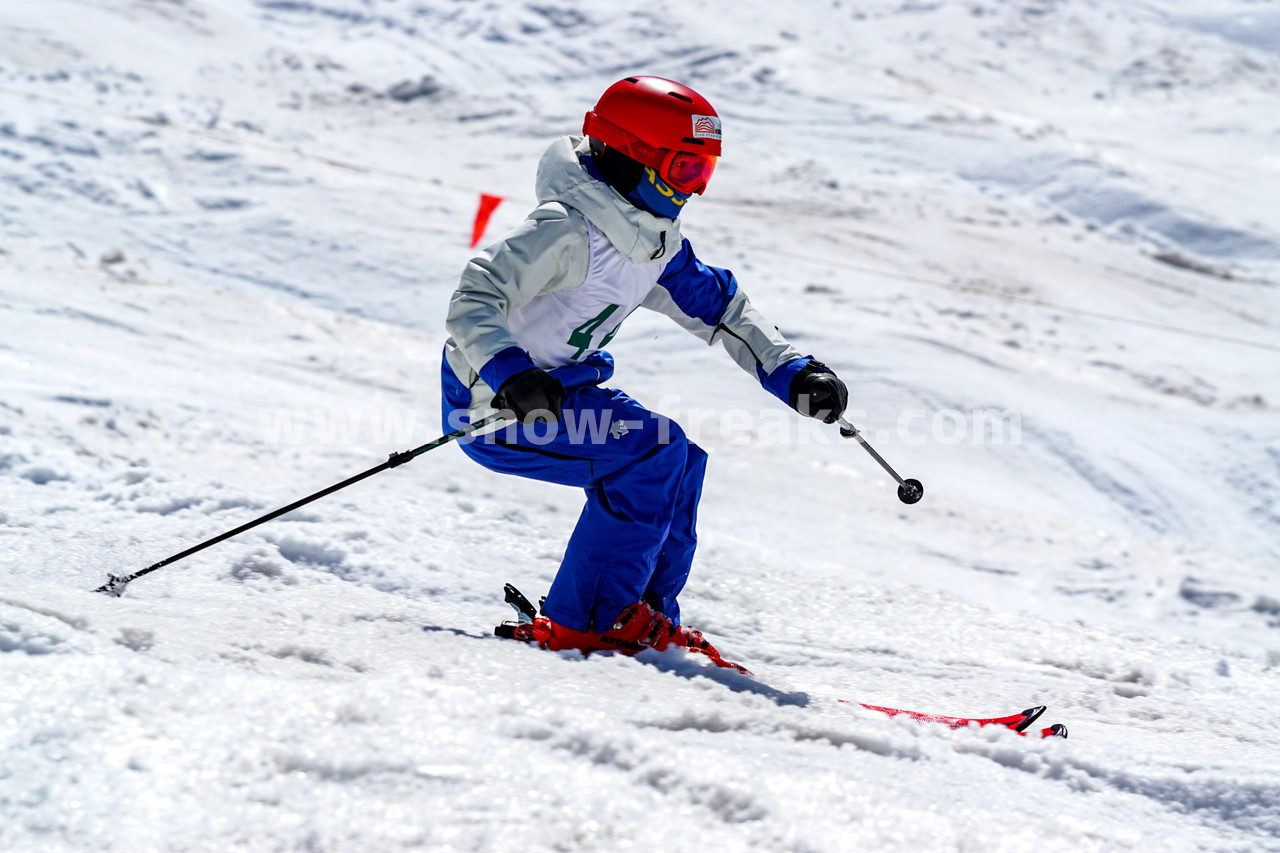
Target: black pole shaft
x,y
909,491
848,430
117,582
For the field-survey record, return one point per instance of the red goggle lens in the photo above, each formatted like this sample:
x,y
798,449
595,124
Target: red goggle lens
x,y
688,172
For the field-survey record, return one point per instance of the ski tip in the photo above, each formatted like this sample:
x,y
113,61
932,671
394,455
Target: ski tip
x,y
1029,716
1055,730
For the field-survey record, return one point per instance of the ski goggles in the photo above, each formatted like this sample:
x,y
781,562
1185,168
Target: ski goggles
x,y
687,172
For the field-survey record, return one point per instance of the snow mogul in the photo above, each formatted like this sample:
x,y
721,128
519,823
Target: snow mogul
x,y
527,328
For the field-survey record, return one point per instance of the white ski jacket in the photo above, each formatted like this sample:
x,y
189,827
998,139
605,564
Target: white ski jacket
x,y
555,291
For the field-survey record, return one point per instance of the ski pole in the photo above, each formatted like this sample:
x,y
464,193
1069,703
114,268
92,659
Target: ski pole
x,y
909,491
116,583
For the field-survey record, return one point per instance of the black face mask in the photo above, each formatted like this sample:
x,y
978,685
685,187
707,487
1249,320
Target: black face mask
x,y
618,170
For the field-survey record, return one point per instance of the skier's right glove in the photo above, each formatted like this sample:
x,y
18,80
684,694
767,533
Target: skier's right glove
x,y
533,393
817,392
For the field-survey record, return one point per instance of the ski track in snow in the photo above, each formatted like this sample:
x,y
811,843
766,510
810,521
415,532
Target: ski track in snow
x,y
228,234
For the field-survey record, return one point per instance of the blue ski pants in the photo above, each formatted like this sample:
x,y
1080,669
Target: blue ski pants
x,y
643,478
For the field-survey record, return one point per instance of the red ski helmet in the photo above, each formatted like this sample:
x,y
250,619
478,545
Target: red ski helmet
x,y
661,124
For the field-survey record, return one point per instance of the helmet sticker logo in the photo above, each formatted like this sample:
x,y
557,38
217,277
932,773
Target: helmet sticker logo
x,y
706,127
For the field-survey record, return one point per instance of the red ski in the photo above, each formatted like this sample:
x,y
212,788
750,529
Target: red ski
x,y
1019,722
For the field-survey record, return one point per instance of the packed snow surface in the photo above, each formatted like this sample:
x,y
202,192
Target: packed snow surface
x,y
1039,239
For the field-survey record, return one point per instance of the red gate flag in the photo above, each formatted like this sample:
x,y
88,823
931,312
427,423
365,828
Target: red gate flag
x,y
488,204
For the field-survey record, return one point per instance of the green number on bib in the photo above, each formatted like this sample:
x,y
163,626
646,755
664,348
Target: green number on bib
x,y
581,337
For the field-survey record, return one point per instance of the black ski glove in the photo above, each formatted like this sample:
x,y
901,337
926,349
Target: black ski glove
x,y
533,392
817,392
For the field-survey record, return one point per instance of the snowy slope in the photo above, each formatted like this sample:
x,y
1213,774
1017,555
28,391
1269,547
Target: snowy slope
x,y
1039,240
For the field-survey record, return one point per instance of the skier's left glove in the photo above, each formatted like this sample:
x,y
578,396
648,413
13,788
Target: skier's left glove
x,y
817,392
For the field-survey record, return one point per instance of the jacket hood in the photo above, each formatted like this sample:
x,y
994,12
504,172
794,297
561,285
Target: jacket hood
x,y
636,233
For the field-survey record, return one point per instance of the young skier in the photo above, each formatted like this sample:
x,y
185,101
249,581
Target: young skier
x,y
527,326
